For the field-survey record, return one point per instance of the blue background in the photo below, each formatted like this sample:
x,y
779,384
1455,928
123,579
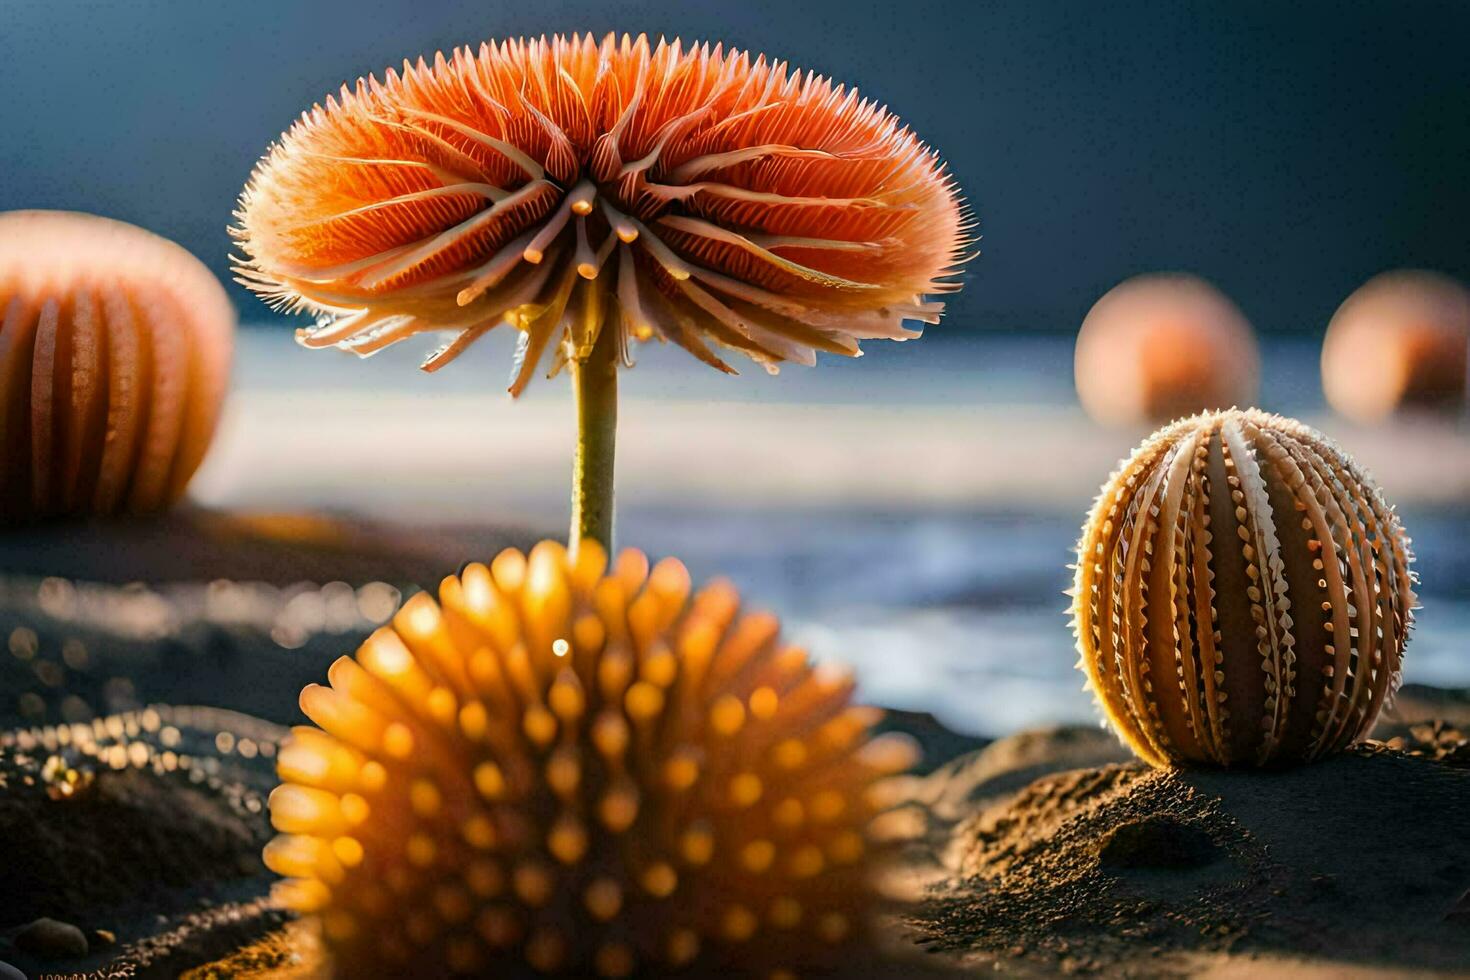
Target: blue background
x,y
1285,151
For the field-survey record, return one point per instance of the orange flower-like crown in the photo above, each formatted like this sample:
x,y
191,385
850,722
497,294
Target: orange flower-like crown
x,y
689,194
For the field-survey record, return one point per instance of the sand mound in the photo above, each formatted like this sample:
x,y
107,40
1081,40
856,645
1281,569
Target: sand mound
x,y
1364,858
147,825
130,836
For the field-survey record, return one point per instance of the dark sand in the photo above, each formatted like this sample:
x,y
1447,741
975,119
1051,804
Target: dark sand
x,y
156,839
1043,853
1362,859
1357,866
199,607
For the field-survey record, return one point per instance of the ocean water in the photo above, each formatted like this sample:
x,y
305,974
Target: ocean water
x,y
962,613
911,513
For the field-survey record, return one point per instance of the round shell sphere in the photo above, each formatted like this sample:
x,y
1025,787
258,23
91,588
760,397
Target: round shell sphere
x,y
1401,341
1243,594
115,349
563,768
1157,347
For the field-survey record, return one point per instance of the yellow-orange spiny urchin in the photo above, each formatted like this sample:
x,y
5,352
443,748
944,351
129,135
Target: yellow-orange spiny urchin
x,y
561,770
115,349
1243,594
691,194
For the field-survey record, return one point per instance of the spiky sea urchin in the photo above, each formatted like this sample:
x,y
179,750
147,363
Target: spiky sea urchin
x,y
115,349
689,194
567,770
1243,594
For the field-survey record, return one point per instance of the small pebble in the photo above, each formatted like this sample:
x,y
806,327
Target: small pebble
x,y
102,938
52,940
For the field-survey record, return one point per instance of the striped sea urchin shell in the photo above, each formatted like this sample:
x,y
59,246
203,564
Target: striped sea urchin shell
x,y
1243,594
689,194
115,349
558,769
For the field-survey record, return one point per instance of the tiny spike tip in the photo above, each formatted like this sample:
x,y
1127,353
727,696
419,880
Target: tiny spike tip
x,y
569,768
1243,594
692,194
115,348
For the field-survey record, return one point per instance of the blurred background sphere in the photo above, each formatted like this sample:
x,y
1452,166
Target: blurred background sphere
x,y
115,351
1399,342
1160,346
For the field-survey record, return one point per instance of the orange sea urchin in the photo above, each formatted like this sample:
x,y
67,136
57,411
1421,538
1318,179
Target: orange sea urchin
x,y
579,772
1243,594
690,194
115,349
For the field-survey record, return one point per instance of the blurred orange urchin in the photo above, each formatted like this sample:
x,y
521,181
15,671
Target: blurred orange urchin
x,y
576,771
689,194
115,349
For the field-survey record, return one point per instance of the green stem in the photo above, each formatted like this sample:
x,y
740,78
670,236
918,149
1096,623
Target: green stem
x,y
595,382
